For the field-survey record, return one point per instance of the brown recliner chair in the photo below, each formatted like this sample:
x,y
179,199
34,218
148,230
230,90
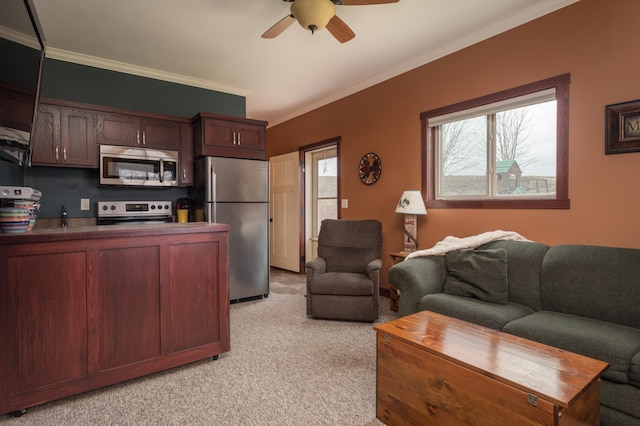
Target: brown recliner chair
x,y
343,281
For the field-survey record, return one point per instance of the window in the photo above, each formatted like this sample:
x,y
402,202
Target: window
x,y
325,186
506,150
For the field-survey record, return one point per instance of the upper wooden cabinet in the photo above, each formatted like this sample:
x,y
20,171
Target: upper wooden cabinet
x,y
64,136
186,172
221,136
138,131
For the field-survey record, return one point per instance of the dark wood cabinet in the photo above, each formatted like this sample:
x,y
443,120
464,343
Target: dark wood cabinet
x,y
221,136
86,308
64,136
16,108
47,345
138,131
186,172
129,312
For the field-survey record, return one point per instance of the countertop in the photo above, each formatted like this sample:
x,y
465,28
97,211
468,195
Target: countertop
x,y
110,231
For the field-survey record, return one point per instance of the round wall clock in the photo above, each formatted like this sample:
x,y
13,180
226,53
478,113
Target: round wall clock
x,y
370,168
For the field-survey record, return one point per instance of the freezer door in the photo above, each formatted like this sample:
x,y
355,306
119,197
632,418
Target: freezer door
x,y
239,180
248,248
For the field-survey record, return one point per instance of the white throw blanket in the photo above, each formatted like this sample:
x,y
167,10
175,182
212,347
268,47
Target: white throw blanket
x,y
454,243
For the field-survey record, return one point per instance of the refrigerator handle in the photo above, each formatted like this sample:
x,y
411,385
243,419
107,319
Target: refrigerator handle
x,y
214,197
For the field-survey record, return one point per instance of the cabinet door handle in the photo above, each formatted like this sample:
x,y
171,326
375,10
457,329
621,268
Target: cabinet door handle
x,y
234,138
64,154
144,138
57,153
238,138
137,138
184,174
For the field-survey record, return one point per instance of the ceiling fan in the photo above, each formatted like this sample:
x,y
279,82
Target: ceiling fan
x,y
314,15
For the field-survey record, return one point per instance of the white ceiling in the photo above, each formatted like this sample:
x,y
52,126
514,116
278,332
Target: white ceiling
x,y
216,44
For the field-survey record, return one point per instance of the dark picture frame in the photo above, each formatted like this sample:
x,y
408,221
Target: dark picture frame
x,y
622,127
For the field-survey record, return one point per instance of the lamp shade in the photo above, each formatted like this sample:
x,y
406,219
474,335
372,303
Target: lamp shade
x,y
411,203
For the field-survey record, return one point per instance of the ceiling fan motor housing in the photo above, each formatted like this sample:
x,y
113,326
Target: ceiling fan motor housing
x,y
313,15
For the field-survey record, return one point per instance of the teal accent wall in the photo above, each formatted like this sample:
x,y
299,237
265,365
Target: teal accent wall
x,y
20,65
80,83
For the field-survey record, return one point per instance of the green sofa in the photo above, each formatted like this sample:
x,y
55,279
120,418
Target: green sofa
x,y
580,298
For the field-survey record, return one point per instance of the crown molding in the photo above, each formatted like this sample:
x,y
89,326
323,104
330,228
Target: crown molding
x,y
20,38
93,61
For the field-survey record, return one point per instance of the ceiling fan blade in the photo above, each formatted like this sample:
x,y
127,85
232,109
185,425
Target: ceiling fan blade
x,y
340,30
365,2
279,27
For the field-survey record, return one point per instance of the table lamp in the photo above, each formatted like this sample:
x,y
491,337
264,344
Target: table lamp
x,y
411,205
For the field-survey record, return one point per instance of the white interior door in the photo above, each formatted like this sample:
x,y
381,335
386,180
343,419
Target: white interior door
x,y
285,211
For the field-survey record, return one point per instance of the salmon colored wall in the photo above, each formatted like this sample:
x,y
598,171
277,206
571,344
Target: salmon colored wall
x,y
596,41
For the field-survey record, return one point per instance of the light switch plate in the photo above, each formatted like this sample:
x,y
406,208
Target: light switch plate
x,y
345,203
85,204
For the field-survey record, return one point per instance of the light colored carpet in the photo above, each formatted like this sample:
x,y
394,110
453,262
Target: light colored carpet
x,y
283,369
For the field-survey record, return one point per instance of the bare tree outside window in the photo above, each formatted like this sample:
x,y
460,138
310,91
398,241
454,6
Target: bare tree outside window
x,y
523,164
513,142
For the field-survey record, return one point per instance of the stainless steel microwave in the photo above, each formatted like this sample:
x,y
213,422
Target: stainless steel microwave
x,y
121,165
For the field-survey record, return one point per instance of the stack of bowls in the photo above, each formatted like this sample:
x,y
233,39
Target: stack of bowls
x,y
32,206
14,220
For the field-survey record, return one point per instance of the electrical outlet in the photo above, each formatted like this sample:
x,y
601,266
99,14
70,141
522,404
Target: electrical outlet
x,y
345,203
85,204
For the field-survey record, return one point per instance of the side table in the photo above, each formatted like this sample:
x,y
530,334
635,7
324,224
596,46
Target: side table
x,y
394,295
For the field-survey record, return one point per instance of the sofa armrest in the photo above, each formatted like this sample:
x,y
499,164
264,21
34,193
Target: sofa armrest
x,y
415,278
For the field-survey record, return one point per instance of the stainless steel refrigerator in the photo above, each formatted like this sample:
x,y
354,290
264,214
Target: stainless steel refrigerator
x,y
236,192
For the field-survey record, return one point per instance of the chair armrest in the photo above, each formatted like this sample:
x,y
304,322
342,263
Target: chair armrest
x,y
315,267
374,265
415,278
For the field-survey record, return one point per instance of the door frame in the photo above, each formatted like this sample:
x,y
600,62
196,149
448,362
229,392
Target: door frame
x,y
303,150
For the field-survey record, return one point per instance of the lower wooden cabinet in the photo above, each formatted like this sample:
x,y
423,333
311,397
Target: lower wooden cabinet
x,y
76,315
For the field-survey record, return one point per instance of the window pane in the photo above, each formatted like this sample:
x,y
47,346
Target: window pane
x,y
463,157
327,209
526,151
327,177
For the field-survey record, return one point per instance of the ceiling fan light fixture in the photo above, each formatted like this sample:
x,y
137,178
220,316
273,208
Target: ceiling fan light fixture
x,y
313,15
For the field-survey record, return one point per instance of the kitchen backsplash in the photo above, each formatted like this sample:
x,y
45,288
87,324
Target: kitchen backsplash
x,y
66,186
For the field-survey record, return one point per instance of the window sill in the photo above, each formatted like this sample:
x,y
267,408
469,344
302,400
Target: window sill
x,y
499,204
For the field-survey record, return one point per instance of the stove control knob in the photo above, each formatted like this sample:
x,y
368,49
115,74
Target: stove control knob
x,y
104,207
166,206
113,207
153,207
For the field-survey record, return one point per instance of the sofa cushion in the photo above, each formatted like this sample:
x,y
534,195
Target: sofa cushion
x,y
525,262
477,273
622,398
634,371
592,282
612,343
487,314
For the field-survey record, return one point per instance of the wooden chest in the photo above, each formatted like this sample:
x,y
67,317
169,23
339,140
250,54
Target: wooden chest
x,y
436,370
